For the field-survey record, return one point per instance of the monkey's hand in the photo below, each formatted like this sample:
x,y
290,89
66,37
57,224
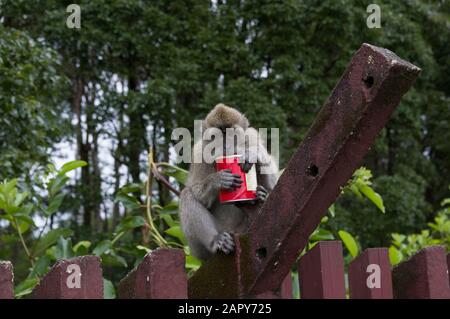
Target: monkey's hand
x,y
229,181
261,193
246,166
225,243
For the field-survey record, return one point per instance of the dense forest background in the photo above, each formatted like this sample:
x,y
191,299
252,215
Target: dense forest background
x,y
107,92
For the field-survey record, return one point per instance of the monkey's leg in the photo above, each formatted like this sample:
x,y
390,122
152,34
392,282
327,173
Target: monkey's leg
x,y
200,228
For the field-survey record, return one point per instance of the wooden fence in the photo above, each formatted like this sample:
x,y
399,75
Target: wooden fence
x,y
321,275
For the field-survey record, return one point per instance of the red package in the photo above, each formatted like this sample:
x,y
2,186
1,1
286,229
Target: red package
x,y
247,191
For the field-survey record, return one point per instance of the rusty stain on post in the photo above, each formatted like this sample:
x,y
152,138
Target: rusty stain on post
x,y
342,133
160,275
6,280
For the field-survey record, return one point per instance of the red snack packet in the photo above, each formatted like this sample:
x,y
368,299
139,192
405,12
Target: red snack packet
x,y
247,191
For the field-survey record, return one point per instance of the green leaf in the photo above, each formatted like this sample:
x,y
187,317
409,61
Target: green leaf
x,y
398,239
25,218
24,222
26,210
332,210
372,196
168,219
349,242
25,287
176,232
9,186
67,167
56,184
130,222
445,201
108,289
113,260
192,262
176,172
171,208
50,238
82,248
20,197
54,204
128,201
321,234
395,255
102,247
41,267
63,249
130,188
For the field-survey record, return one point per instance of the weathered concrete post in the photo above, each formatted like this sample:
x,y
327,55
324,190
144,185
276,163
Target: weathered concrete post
x,y
321,272
423,276
160,275
342,133
6,280
369,275
77,278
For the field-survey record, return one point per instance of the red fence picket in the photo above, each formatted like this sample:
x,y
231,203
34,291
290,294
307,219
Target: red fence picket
x,y
284,292
161,275
321,272
6,280
77,278
423,276
286,287
369,275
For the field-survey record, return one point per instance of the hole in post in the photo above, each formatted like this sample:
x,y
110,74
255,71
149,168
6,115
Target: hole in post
x,y
368,81
261,253
312,170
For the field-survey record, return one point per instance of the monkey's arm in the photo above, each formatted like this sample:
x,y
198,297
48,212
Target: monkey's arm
x,y
206,190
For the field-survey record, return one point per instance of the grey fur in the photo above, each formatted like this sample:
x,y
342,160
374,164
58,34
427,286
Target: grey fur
x,y
206,223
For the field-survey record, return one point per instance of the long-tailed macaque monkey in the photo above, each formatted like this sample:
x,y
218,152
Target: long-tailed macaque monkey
x,y
206,223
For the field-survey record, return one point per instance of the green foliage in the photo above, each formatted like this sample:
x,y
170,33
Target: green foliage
x,y
359,185
31,105
20,211
108,289
349,242
404,206
438,233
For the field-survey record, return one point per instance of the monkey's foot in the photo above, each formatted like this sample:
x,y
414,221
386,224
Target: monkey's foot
x,y
261,193
225,243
